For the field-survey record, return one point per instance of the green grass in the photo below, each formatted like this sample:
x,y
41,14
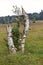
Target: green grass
x,y
33,48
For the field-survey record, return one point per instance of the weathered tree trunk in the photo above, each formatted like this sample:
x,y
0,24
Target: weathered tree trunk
x,y
26,28
10,40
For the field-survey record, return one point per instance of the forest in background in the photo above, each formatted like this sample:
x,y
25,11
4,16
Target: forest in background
x,y
32,16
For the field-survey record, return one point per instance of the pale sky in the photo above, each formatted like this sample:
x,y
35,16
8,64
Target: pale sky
x,y
29,6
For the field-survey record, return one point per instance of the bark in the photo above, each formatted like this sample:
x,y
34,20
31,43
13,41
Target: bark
x,y
10,40
26,28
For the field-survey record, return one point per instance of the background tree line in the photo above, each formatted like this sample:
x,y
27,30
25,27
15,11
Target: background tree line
x,y
36,16
32,16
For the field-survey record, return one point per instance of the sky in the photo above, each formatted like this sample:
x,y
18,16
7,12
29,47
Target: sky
x,y
29,6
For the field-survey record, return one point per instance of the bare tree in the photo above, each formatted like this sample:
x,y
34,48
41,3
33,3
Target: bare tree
x,y
10,40
26,28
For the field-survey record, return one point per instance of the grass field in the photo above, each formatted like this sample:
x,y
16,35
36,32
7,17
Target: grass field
x,y
33,47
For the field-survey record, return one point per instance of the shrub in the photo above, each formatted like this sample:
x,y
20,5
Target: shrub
x,y
15,36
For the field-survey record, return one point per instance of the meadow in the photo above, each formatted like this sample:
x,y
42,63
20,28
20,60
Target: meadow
x,y
33,54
